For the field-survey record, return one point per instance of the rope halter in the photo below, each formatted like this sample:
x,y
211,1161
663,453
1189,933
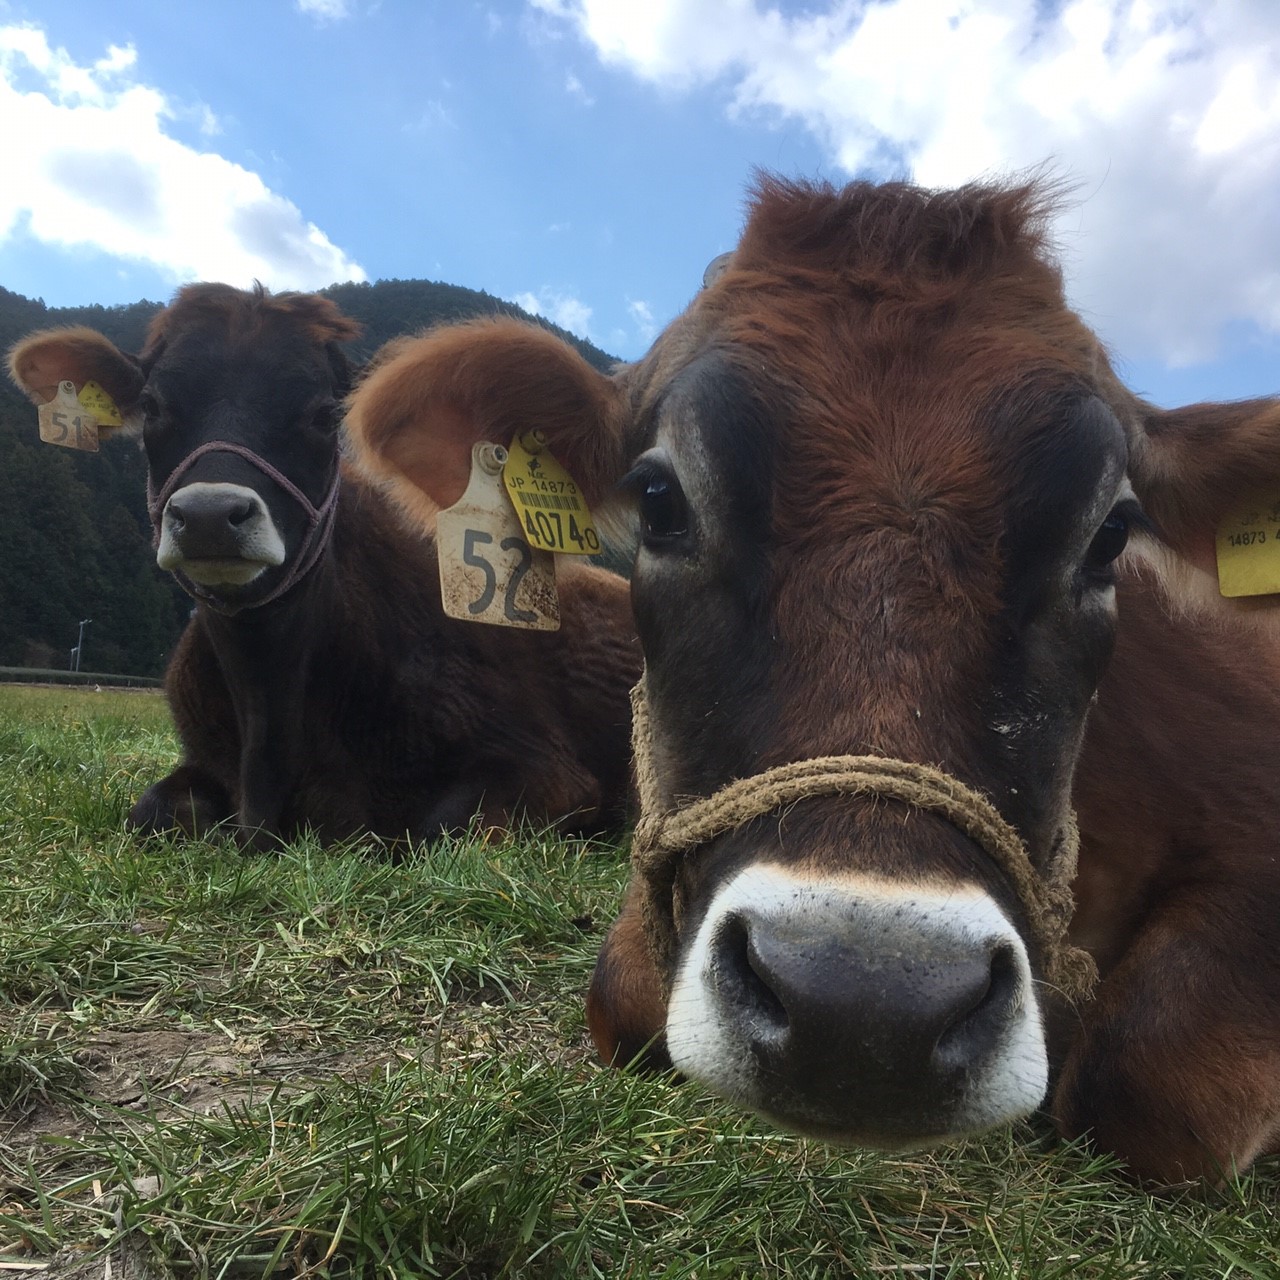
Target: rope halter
x,y
314,541
662,837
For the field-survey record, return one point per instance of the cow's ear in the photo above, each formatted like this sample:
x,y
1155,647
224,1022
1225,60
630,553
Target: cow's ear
x,y
79,355
425,401
1194,467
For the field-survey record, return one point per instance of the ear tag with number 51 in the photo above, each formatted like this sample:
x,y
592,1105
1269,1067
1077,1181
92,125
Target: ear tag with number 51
x,y
553,513
488,572
65,421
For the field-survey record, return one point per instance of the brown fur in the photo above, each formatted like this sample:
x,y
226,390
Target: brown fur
x,y
247,316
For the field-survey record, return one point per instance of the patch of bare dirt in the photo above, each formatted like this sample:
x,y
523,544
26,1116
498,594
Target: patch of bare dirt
x,y
167,1070
164,1070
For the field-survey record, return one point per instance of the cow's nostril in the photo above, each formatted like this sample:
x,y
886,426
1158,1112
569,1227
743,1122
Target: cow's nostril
x,y
241,512
743,979
985,1010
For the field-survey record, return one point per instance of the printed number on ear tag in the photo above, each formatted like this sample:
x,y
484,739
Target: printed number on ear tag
x,y
1248,548
65,421
488,572
552,511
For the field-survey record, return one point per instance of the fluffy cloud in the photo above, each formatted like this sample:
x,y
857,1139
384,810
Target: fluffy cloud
x,y
1164,114
97,170
325,10
568,312
641,314
576,89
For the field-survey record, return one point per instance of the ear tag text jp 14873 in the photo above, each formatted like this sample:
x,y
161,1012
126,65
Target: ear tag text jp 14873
x,y
552,511
1248,547
65,421
488,572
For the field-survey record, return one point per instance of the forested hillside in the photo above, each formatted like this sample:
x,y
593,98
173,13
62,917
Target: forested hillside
x,y
75,541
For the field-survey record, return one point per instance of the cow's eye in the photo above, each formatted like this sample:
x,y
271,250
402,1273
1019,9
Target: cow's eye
x,y
1110,540
148,405
664,514
662,510
323,418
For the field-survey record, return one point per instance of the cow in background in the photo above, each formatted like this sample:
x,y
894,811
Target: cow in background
x,y
319,684
894,502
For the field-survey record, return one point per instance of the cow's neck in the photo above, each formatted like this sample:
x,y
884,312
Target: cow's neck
x,y
266,654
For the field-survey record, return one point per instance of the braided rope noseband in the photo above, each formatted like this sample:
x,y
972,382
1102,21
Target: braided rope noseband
x,y
662,837
314,541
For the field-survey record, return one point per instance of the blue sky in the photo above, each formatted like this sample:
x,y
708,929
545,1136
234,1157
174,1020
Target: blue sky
x,y
587,158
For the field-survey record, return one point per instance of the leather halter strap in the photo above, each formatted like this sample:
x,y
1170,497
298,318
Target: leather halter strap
x,y
319,522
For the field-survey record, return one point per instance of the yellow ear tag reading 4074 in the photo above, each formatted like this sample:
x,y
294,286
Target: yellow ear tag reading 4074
x,y
1248,547
552,511
488,572
65,421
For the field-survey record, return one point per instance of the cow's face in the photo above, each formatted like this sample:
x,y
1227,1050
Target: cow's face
x,y
882,477
237,396
883,527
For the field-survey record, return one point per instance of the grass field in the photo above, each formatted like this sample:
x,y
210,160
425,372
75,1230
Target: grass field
x,y
323,1063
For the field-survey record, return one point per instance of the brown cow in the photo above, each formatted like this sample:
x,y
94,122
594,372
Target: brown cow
x,y
885,479
318,684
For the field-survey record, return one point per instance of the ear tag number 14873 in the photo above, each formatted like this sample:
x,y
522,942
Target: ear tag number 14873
x,y
488,571
1248,547
553,513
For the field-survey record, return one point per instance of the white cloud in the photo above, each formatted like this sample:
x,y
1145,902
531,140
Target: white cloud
x,y
118,58
1166,113
434,117
568,312
98,171
325,10
576,89
209,124
642,314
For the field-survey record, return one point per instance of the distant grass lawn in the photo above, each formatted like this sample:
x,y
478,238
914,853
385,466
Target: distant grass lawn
x,y
323,1063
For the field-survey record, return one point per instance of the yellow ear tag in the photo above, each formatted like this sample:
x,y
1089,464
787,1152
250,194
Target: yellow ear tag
x,y
552,511
96,401
65,421
1249,550
488,572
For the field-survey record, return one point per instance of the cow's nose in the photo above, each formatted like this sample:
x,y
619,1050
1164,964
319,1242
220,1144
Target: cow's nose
x,y
210,518
839,1015
205,523
860,1012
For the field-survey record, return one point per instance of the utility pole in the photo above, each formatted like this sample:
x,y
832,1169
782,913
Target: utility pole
x,y
76,652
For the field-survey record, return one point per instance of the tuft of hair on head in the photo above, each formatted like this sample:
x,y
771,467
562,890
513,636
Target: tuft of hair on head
x,y
244,311
897,226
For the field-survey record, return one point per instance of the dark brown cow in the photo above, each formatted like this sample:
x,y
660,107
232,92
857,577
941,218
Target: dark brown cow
x,y
319,684
885,479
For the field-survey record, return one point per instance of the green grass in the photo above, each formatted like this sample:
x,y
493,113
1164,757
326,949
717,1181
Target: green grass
x,y
324,1063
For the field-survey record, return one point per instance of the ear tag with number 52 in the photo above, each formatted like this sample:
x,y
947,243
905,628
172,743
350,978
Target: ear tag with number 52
x,y
488,572
1248,546
65,421
553,513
